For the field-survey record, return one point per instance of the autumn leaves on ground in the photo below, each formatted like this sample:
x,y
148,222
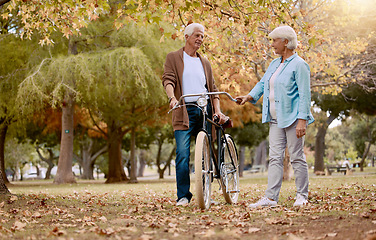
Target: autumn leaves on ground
x,y
341,207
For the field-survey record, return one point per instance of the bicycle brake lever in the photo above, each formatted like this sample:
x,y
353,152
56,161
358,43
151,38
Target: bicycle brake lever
x,y
172,109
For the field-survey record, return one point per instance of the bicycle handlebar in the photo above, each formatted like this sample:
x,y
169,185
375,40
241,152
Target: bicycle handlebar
x,y
201,95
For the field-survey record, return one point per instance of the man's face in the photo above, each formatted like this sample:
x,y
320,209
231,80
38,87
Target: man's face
x,y
196,39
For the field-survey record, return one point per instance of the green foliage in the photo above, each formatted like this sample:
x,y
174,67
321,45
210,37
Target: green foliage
x,y
13,68
363,131
120,84
336,144
252,134
17,155
352,154
147,38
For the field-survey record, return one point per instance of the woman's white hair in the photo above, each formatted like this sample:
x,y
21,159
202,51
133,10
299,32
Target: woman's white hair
x,y
285,32
191,28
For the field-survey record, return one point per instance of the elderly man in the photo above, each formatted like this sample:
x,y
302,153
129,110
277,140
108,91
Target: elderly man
x,y
188,72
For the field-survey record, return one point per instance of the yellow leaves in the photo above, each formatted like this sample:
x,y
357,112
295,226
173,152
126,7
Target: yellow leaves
x,y
56,14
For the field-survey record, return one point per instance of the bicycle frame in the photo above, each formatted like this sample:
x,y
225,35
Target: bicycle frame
x,y
217,159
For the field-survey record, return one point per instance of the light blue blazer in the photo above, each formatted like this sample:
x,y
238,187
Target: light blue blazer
x,y
291,89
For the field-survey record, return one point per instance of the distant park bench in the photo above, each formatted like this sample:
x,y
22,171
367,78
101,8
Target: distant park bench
x,y
345,170
257,168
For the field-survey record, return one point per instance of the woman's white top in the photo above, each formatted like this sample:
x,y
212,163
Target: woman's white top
x,y
272,109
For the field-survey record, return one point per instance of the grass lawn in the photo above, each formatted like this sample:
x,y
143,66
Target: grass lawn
x,y
341,207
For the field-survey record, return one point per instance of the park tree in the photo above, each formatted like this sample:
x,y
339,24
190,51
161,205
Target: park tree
x,y
113,85
18,155
89,149
336,107
123,79
363,134
44,130
13,68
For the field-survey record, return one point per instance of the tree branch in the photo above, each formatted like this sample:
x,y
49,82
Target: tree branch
x,y
95,123
2,2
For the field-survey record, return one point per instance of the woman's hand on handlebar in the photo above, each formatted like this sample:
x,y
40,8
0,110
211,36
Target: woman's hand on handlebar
x,y
222,118
241,100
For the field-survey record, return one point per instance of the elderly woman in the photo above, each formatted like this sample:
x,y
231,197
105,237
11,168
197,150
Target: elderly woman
x,y
286,106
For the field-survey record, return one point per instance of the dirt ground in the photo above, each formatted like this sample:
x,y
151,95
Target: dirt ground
x,y
340,208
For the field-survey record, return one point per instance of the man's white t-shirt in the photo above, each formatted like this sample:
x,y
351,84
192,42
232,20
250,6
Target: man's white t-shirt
x,y
194,80
272,110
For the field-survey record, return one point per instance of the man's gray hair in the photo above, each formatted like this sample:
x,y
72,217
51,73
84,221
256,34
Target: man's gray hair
x,y
191,28
285,32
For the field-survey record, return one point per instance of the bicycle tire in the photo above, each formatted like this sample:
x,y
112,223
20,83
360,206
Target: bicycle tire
x,y
203,171
230,172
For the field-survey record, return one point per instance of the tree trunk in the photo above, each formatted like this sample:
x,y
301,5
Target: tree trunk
x,y
115,165
241,160
3,132
86,161
320,144
288,172
167,164
64,172
3,188
260,158
48,160
142,163
364,157
38,170
90,165
133,173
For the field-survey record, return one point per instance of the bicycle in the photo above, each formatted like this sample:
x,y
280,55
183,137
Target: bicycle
x,y
224,166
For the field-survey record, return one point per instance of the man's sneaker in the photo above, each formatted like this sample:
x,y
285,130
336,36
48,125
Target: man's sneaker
x,y
300,201
263,202
182,202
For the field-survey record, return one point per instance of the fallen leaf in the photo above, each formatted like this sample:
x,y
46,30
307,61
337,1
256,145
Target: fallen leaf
x,y
18,226
36,215
332,234
13,198
145,237
209,233
293,237
253,230
103,219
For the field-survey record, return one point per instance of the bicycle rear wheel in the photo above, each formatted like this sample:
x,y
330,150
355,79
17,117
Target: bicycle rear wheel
x,y
230,171
203,170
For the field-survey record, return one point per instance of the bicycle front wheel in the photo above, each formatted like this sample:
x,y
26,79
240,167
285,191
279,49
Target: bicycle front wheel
x,y
230,171
203,170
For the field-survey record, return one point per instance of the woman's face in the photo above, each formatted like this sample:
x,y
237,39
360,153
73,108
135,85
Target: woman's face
x,y
279,45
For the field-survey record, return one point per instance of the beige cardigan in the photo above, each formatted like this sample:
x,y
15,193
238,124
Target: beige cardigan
x,y
173,74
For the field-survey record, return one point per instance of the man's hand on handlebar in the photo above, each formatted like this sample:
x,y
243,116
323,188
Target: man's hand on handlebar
x,y
222,118
173,102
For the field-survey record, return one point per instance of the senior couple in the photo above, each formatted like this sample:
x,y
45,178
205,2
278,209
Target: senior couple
x,y
286,107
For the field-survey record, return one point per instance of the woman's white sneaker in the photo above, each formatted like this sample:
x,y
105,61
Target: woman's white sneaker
x,y
300,201
263,202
